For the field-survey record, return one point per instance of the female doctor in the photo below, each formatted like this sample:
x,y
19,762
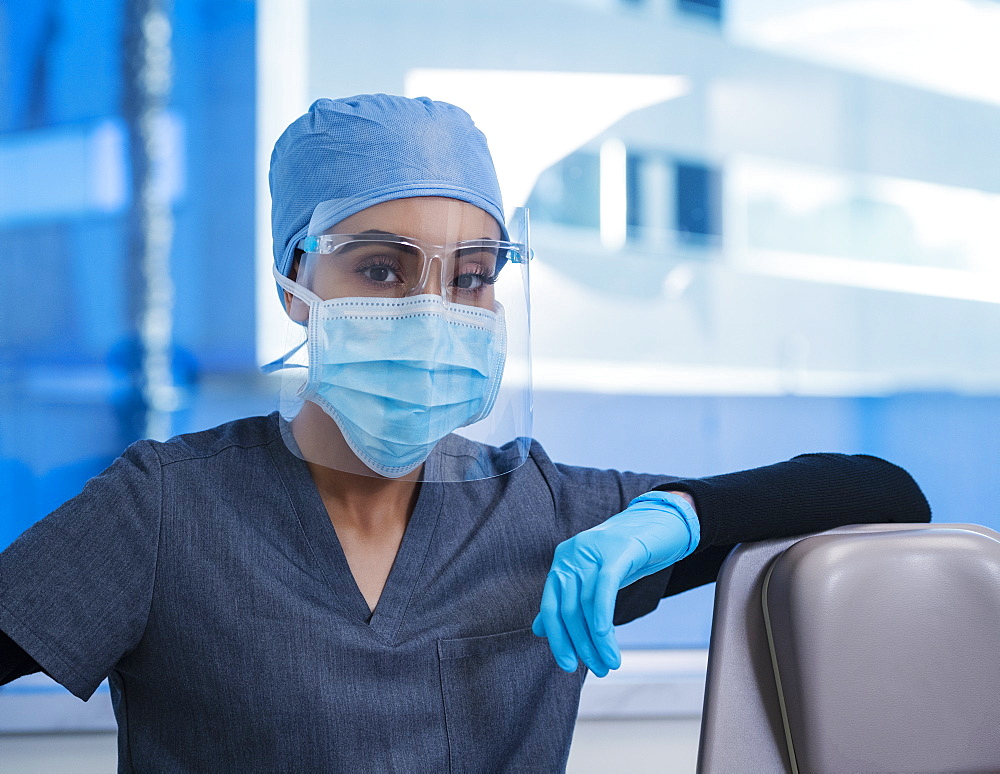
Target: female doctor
x,y
378,576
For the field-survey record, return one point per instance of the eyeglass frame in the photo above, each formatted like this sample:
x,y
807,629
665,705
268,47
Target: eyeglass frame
x,y
327,244
324,244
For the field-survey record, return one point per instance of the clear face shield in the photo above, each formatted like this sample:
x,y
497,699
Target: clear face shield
x,y
409,346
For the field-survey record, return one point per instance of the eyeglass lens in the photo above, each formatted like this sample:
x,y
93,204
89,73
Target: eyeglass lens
x,y
392,269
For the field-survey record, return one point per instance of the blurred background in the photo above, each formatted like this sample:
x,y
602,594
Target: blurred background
x,y
762,228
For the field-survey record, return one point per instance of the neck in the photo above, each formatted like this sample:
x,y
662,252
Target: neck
x,y
353,494
365,503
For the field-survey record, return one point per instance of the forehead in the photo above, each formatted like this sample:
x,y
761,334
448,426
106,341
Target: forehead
x,y
433,219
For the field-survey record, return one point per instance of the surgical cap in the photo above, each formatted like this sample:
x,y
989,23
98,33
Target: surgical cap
x,y
352,153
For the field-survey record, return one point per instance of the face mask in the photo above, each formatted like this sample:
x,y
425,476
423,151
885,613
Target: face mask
x,y
399,374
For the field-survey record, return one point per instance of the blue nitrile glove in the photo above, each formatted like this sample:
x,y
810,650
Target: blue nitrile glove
x,y
578,602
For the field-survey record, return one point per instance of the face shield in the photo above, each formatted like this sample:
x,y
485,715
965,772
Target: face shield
x,y
408,342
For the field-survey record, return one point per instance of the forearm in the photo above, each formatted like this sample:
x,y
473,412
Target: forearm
x,y
809,493
685,495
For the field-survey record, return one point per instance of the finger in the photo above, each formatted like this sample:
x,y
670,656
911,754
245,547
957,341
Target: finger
x,y
559,641
576,625
608,582
604,611
609,650
606,587
588,603
537,627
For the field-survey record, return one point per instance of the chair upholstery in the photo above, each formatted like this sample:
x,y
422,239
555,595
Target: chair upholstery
x,y
882,636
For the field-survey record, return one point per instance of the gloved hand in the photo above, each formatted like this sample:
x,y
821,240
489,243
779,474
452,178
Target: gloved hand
x,y
578,602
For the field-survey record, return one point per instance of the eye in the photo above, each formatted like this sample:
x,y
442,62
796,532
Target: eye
x,y
381,274
471,281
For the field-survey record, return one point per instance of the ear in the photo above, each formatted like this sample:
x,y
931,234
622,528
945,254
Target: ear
x,y
295,308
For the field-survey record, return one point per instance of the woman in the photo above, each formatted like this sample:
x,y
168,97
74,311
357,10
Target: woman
x,y
350,584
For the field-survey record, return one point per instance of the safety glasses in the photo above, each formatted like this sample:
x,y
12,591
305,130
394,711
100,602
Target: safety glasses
x,y
386,265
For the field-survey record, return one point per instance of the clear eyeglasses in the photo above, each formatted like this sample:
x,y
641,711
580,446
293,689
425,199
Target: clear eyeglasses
x,y
385,265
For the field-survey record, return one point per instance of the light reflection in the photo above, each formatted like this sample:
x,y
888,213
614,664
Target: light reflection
x,y
949,46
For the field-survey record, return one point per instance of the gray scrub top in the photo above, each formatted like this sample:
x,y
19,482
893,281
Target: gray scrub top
x,y
204,576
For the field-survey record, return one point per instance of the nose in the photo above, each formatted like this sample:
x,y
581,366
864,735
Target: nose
x,y
432,280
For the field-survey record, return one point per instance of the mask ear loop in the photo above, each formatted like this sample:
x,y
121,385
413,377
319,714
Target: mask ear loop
x,y
303,294
282,362
299,291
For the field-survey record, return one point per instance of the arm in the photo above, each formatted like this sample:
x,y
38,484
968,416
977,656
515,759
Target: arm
x,y
810,493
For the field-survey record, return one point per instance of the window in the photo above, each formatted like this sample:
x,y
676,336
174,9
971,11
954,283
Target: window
x,y
710,9
698,197
568,193
668,201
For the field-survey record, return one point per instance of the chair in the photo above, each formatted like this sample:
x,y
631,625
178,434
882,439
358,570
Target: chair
x,y
885,639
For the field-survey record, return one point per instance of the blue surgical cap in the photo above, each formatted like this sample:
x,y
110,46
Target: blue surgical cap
x,y
359,151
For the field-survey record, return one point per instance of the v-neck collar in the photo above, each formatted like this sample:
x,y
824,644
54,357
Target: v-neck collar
x,y
385,620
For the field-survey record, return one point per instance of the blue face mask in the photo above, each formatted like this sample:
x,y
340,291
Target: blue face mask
x,y
399,374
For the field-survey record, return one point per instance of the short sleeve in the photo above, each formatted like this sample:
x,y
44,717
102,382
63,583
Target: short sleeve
x,y
76,588
586,497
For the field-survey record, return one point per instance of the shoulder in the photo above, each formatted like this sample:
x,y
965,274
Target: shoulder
x,y
246,433
457,458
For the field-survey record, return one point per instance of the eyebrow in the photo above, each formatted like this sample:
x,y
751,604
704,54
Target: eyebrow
x,y
400,236
377,232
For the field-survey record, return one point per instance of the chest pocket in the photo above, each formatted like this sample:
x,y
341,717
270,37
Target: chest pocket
x,y
508,707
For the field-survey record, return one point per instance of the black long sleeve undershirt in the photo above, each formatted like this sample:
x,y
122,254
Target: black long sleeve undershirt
x,y
14,662
809,493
